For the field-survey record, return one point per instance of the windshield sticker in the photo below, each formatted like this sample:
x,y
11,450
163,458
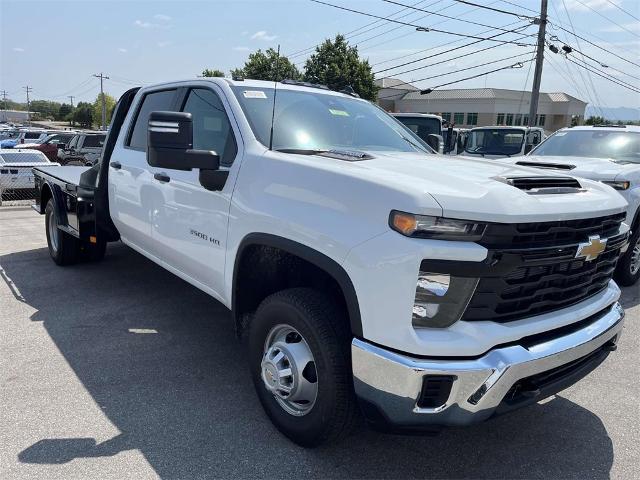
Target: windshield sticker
x,y
254,94
341,113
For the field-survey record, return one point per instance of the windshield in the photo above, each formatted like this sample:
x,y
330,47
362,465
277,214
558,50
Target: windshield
x,y
623,147
495,141
422,126
305,120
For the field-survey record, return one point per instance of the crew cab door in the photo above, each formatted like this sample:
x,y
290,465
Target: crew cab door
x,y
190,227
134,195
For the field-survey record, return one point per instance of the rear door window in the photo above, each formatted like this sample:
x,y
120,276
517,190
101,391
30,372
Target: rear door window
x,y
93,141
152,102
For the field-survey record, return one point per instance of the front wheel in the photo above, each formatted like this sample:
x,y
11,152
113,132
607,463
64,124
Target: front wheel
x,y
300,365
628,269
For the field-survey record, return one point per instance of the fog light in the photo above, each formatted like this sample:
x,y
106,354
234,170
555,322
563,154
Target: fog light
x,y
441,299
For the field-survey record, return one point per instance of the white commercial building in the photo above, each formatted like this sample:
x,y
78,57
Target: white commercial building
x,y
15,116
470,107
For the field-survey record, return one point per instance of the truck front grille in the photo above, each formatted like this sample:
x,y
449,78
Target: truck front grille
x,y
544,278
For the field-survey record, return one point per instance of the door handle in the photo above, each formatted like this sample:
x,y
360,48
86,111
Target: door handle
x,y
162,177
116,165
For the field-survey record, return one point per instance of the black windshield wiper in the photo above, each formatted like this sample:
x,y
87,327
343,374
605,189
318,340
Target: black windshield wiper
x,y
300,151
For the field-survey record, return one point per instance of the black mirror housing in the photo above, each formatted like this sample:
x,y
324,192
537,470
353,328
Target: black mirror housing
x,y
170,143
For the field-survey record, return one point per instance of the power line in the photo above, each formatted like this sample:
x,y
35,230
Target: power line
x,y
418,27
352,33
633,89
457,71
436,55
515,65
519,6
606,18
506,12
445,60
437,46
385,32
623,10
603,74
448,16
593,88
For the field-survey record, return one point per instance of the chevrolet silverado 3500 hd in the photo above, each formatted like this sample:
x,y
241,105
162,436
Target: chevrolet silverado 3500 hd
x,y
367,273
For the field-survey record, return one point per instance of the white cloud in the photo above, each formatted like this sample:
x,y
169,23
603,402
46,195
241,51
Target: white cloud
x,y
164,43
122,50
18,49
583,5
162,21
263,35
242,49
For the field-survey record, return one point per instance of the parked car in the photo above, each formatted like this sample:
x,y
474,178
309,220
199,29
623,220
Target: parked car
x,y
51,145
426,126
502,141
26,136
367,273
82,149
610,154
16,175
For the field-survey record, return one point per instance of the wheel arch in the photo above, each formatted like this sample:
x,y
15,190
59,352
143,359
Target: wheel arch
x,y
305,253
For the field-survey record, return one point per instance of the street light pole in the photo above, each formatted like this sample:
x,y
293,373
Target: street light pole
x,y
104,104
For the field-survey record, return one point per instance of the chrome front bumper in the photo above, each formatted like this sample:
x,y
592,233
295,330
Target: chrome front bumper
x,y
390,383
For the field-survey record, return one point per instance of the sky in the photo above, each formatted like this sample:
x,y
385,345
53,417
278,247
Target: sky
x,y
56,46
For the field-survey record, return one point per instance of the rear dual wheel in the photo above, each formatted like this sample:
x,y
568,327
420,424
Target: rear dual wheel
x,y
66,249
300,365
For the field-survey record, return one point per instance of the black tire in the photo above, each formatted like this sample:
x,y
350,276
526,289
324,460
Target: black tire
x,y
624,275
324,328
64,248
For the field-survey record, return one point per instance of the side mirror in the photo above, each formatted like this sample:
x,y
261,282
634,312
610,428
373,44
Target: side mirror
x,y
436,142
170,143
527,148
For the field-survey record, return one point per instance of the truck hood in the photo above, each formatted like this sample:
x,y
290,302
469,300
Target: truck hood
x,y
585,167
475,189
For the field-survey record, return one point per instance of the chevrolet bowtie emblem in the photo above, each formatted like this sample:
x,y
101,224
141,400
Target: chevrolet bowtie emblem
x,y
591,249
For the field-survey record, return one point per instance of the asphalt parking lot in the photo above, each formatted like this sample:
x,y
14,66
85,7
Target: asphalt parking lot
x,y
120,369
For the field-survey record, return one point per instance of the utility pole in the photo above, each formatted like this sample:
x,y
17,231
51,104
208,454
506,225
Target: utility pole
x,y
537,76
104,103
71,97
4,99
28,89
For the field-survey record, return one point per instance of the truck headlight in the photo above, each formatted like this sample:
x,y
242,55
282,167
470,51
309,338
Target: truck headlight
x,y
423,226
619,185
441,299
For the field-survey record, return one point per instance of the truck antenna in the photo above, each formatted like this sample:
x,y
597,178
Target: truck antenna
x,y
275,92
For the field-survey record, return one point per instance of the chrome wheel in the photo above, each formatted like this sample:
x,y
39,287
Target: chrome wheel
x,y
288,370
634,261
53,231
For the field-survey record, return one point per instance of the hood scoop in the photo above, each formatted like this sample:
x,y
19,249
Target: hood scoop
x,y
543,185
550,166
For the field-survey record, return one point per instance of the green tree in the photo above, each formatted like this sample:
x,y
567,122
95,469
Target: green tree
x,y
596,120
45,108
212,73
337,65
97,108
83,114
64,111
262,66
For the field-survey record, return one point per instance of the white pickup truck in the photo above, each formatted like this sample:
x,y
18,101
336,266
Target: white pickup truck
x,y
368,275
